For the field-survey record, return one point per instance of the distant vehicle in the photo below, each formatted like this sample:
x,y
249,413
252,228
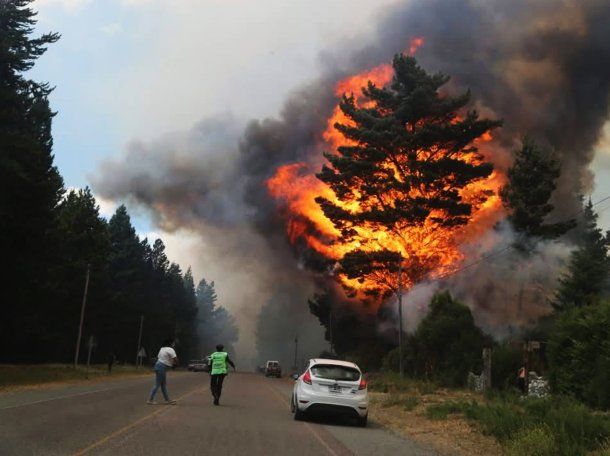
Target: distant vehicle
x,y
330,387
273,369
198,365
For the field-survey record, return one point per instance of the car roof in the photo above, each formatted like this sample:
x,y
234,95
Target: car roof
x,y
336,362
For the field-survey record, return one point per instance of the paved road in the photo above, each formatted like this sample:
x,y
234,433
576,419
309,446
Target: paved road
x,y
111,418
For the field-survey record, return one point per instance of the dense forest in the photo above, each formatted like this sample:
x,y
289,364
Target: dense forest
x,y
52,239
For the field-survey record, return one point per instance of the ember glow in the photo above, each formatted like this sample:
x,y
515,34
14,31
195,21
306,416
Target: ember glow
x,y
431,247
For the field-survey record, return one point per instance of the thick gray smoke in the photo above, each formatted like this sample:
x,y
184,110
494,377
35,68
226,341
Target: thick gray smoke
x,y
508,291
542,66
192,182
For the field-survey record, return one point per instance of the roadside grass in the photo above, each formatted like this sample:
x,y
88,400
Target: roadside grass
x,y
394,383
457,421
12,376
533,427
408,402
442,410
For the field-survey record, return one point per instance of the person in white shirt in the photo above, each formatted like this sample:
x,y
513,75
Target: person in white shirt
x,y
166,358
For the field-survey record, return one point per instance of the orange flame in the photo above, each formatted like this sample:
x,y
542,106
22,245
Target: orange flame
x,y
415,44
437,249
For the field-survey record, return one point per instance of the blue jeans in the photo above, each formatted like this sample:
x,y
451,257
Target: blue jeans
x,y
160,381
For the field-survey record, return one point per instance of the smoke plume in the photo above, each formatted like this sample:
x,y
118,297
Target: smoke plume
x,y
543,66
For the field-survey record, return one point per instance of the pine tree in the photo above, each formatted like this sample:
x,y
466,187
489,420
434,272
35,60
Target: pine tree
x,y
83,242
587,278
206,304
411,154
30,185
216,324
531,183
185,311
127,266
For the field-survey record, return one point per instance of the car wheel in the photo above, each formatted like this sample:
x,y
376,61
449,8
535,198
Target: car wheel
x,y
298,415
362,420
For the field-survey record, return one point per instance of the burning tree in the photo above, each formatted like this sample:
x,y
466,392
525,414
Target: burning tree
x,y
406,177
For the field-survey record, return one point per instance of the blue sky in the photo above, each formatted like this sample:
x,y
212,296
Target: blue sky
x,y
128,70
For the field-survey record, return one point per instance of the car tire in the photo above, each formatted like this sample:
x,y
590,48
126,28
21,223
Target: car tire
x,y
292,405
362,420
298,415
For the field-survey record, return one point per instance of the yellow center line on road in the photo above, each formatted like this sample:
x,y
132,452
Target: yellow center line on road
x,y
307,425
130,426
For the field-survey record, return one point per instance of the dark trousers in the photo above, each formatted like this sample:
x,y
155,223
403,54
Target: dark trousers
x,y
216,384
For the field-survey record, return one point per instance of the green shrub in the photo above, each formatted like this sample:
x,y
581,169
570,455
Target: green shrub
x,y
579,354
575,429
538,441
499,419
446,345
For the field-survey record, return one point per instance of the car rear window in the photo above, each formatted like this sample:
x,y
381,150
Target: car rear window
x,y
334,372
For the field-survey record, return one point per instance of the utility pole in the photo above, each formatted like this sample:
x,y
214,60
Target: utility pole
x,y
296,350
399,293
90,348
330,326
82,316
139,339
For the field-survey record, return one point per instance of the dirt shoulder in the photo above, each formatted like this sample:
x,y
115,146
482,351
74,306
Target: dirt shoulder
x,y
450,436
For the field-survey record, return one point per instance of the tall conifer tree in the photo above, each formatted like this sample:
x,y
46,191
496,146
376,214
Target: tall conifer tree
x,y
30,185
411,152
531,183
588,275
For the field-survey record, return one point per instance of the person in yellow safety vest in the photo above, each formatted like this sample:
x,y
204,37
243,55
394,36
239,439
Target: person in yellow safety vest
x,y
218,370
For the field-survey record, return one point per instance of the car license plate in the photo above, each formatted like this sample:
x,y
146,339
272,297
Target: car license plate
x,y
334,388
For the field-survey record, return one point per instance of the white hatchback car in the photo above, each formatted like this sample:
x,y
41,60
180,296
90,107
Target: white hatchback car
x,y
330,386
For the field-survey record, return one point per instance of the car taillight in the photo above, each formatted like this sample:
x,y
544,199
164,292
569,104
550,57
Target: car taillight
x,y
362,384
307,377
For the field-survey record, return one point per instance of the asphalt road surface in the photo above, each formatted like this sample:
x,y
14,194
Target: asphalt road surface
x,y
112,418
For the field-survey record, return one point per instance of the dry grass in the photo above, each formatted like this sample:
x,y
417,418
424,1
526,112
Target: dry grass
x,y
451,436
34,376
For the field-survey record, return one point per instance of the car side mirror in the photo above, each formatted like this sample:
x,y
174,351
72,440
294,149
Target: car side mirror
x,y
295,376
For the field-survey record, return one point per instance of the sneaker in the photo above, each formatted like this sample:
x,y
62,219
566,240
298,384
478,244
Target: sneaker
x,y
172,402
149,402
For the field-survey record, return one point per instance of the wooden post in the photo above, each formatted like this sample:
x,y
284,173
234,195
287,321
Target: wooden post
x,y
401,368
82,317
486,368
139,341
